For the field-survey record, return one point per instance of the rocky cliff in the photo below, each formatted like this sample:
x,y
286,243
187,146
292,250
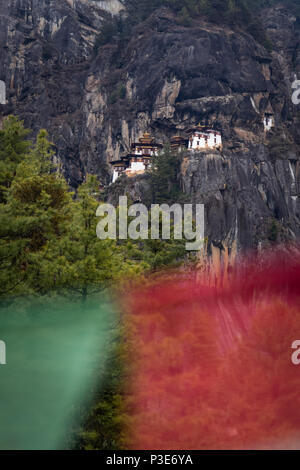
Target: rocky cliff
x,y
95,100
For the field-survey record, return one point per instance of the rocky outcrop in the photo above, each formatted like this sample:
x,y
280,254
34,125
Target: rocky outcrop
x,y
46,50
166,78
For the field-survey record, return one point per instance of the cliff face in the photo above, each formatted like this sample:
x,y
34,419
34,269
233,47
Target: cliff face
x,y
46,51
166,78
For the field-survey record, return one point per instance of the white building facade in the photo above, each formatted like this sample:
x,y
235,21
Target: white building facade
x,y
139,160
269,122
119,168
142,152
203,138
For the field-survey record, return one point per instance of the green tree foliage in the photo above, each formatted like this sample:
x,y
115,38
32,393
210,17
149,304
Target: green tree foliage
x,y
164,177
164,188
104,423
13,148
48,237
273,231
91,263
34,216
48,245
155,255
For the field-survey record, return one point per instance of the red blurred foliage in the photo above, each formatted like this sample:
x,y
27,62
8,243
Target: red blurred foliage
x,y
212,367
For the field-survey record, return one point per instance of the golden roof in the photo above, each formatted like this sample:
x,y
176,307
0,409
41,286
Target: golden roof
x,y
201,128
176,140
146,139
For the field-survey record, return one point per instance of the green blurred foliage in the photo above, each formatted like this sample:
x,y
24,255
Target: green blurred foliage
x,y
58,352
105,422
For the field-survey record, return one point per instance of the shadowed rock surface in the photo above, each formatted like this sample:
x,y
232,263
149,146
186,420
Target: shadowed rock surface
x,y
95,101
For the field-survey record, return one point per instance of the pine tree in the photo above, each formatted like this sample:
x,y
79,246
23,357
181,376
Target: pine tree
x,y
92,263
13,148
164,176
35,216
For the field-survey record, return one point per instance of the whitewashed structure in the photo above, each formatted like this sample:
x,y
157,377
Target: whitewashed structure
x,y
268,121
119,167
139,160
204,138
